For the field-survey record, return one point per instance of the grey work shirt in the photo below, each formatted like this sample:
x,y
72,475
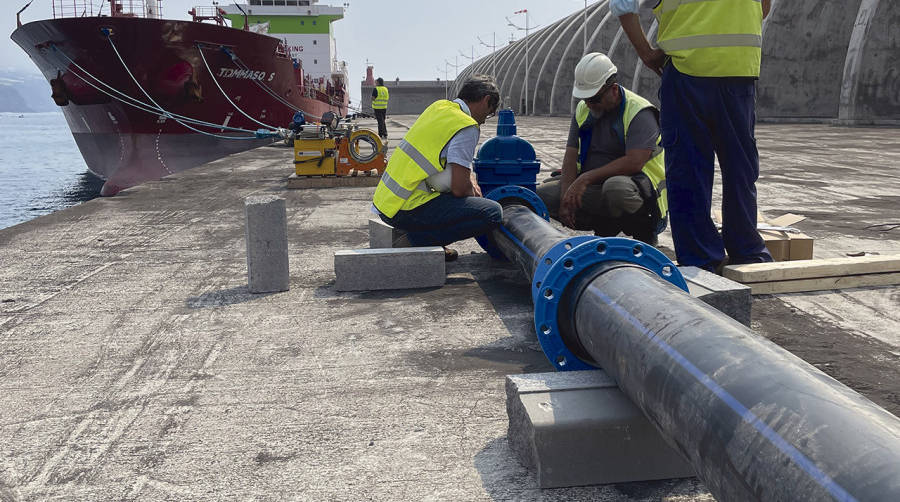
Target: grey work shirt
x,y
606,146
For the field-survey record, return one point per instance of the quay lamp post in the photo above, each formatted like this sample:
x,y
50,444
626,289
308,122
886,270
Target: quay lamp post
x,y
493,47
455,67
526,28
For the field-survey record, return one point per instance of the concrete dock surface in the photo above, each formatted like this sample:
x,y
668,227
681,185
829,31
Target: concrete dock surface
x,y
136,365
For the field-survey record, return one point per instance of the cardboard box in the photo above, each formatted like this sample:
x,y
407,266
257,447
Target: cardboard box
x,y
783,246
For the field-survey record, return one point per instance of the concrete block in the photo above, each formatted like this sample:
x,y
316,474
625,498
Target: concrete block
x,y
727,296
576,428
404,268
267,248
382,235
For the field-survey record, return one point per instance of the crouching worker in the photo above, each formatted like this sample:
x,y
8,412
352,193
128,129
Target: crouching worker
x,y
613,173
428,188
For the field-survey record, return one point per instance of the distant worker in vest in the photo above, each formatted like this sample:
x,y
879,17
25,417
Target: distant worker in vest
x,y
612,176
380,98
709,57
428,187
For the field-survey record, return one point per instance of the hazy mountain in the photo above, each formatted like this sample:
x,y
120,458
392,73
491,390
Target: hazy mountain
x,y
22,92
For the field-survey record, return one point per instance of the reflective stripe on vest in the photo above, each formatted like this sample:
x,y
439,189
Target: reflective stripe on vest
x,y
381,100
655,168
418,156
712,38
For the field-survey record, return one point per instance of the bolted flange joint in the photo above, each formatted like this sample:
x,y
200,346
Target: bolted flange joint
x,y
566,261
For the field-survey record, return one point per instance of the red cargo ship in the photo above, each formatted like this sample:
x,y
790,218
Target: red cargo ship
x,y
146,97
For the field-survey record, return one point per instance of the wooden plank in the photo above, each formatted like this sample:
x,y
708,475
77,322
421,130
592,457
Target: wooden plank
x,y
811,269
824,283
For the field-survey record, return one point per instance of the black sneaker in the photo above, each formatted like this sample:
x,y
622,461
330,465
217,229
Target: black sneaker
x,y
450,254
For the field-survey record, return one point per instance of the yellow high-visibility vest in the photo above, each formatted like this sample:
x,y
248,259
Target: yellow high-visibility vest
x,y
711,38
418,156
655,168
380,102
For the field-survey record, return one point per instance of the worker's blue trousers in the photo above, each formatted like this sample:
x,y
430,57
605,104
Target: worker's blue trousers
x,y
701,117
446,219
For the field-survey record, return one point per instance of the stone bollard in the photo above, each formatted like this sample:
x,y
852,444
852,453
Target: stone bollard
x,y
267,251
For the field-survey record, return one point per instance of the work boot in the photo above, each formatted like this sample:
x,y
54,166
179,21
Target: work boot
x,y
648,237
450,254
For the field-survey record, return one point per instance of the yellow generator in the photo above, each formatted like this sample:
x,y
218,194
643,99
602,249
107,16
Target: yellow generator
x,y
326,152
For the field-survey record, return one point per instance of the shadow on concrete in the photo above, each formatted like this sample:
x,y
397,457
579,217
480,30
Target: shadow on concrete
x,y
505,478
328,291
224,297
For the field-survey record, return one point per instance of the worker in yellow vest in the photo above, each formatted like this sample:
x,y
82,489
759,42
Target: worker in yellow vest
x,y
380,98
612,177
428,187
709,57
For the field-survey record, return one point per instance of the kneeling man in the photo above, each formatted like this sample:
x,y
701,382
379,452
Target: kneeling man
x,y
613,172
428,187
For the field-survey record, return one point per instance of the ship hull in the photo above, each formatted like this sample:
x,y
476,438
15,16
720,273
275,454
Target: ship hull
x,y
181,65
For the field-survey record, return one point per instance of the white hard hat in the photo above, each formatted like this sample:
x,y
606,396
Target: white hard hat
x,y
591,73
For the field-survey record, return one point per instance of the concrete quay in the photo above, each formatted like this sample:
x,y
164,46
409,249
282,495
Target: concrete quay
x,y
136,365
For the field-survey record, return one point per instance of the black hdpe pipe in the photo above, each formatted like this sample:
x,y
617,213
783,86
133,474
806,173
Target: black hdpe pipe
x,y
754,421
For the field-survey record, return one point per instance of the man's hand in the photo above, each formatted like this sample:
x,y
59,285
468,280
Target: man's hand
x,y
655,59
476,190
571,202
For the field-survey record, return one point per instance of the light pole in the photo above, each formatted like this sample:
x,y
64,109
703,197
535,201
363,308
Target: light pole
x,y
455,67
584,28
470,58
526,28
445,79
493,47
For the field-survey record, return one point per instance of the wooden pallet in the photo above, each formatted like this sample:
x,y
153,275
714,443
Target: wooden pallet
x,y
816,275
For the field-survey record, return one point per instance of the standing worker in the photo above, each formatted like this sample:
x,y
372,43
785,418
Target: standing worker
x,y
613,175
428,187
709,60
380,97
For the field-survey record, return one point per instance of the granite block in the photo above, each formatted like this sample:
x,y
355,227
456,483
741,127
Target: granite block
x,y
267,246
384,268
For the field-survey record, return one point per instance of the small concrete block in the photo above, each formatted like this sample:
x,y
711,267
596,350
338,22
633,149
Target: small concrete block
x,y
382,235
729,297
403,268
577,428
267,248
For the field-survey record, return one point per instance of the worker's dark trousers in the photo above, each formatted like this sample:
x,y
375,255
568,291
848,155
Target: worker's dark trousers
x,y
446,219
380,116
701,117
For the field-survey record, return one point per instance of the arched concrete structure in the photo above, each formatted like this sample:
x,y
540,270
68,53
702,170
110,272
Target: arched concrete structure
x,y
549,54
870,90
517,85
823,60
560,92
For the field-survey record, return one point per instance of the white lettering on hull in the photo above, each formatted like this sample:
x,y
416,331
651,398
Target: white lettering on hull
x,y
245,74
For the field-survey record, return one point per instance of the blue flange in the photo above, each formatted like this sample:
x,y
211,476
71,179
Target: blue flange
x,y
527,196
551,284
551,257
530,199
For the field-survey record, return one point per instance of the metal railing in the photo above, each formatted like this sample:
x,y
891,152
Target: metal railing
x,y
116,8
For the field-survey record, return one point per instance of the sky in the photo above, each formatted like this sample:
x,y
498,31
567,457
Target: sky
x,y
409,39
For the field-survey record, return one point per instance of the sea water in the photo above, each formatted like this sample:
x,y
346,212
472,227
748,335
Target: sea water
x,y
41,169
